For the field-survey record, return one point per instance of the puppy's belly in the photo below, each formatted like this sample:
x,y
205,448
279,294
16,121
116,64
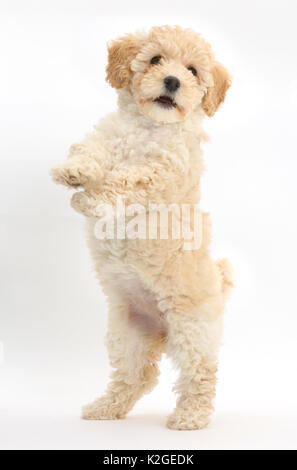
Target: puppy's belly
x,y
144,313
110,261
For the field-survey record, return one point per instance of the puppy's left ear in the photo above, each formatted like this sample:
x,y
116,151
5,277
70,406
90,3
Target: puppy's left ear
x,y
216,93
121,52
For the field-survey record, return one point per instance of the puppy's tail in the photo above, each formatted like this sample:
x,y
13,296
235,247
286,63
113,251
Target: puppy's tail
x,y
226,271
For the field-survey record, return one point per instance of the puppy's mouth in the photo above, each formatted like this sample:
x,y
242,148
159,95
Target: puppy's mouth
x,y
165,102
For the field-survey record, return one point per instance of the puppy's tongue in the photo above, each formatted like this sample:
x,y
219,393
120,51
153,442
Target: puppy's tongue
x,y
165,99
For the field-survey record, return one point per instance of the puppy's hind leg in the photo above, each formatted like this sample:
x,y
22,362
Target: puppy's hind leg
x,y
134,358
193,345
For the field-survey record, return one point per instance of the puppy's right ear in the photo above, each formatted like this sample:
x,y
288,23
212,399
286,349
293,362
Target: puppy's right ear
x,y
216,93
121,52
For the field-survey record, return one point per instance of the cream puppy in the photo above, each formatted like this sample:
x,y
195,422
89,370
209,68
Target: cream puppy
x,y
161,296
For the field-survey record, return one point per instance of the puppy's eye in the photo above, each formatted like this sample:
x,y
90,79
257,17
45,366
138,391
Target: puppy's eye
x,y
155,60
192,69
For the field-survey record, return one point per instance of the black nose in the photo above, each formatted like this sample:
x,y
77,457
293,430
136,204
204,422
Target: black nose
x,y
171,83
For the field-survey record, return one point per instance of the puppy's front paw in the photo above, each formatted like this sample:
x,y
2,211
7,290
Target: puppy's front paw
x,y
190,419
103,408
84,204
67,174
86,173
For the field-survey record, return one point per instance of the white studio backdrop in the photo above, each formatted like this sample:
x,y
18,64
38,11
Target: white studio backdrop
x,y
53,314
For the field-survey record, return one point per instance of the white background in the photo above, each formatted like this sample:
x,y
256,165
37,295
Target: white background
x,y
53,314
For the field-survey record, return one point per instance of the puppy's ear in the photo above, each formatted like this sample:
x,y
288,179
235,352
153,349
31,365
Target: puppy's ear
x,y
120,54
216,93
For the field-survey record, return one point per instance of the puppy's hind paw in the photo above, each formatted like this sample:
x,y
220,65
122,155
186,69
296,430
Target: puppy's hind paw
x,y
187,420
103,409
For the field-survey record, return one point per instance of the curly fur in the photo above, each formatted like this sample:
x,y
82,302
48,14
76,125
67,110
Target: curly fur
x,y
161,297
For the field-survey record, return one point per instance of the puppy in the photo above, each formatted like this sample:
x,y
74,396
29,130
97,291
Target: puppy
x,y
162,296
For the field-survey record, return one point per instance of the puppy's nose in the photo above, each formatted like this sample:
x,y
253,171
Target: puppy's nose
x,y
171,83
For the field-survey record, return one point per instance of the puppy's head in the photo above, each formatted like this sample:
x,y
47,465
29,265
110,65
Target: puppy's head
x,y
169,72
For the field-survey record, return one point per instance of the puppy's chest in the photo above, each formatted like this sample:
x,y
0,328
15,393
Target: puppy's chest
x,y
142,146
